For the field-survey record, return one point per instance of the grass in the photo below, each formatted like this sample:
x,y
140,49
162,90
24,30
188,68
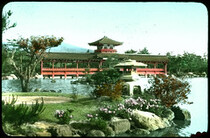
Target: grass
x,y
81,107
36,94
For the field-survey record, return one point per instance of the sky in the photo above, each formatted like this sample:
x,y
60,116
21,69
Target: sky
x,y
161,27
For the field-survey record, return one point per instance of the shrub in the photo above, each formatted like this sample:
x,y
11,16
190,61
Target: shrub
x,y
22,113
97,122
110,76
63,116
107,112
170,90
108,83
114,91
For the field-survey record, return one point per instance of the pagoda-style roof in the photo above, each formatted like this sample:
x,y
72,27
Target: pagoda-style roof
x,y
99,56
105,40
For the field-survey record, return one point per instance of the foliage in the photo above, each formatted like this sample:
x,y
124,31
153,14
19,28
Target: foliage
x,y
6,68
63,116
30,52
107,83
96,122
170,90
130,51
22,113
150,105
111,61
114,91
188,62
107,112
6,22
110,76
143,51
74,92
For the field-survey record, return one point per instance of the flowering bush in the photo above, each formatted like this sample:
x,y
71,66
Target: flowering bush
x,y
107,112
63,116
96,122
124,112
150,105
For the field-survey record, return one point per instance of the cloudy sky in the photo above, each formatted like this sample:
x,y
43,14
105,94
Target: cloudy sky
x,y
159,26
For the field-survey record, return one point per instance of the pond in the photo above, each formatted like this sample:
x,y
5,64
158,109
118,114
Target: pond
x,y
198,95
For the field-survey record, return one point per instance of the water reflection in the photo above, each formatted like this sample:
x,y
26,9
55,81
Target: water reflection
x,y
61,85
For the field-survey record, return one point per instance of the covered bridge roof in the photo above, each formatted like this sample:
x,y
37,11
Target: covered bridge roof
x,y
98,56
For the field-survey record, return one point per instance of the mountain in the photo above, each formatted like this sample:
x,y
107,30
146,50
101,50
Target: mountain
x,y
64,47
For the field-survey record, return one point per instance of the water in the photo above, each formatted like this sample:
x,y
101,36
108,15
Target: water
x,y
198,110
63,85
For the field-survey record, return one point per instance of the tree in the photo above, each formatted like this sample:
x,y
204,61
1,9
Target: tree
x,y
5,26
130,51
6,22
188,62
111,62
108,83
170,90
31,52
143,51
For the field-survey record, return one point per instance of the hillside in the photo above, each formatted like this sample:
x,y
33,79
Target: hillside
x,y
64,47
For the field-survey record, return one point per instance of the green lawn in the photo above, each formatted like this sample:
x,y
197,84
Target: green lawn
x,y
81,107
36,94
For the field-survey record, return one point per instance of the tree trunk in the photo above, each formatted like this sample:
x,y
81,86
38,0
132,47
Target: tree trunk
x,y
24,84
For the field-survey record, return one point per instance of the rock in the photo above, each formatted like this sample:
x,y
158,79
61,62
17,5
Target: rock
x,y
96,133
181,114
9,78
45,91
109,131
52,91
37,76
63,130
81,127
38,128
37,90
53,81
120,125
168,114
140,131
13,76
148,120
43,134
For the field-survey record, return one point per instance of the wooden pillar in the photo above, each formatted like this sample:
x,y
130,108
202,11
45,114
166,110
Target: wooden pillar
x,y
155,65
77,69
53,69
88,63
100,65
41,67
165,68
65,71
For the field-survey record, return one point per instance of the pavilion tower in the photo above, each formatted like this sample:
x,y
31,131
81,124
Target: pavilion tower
x,y
105,45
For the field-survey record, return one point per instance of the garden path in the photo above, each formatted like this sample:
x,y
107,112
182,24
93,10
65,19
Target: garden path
x,y
32,99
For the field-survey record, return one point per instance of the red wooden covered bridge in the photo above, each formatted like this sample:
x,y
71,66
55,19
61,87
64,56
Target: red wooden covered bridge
x,y
77,64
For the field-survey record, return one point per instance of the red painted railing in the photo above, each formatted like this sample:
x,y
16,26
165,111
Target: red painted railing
x,y
83,71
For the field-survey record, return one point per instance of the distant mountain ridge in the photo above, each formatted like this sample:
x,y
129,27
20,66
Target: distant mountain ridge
x,y
65,47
